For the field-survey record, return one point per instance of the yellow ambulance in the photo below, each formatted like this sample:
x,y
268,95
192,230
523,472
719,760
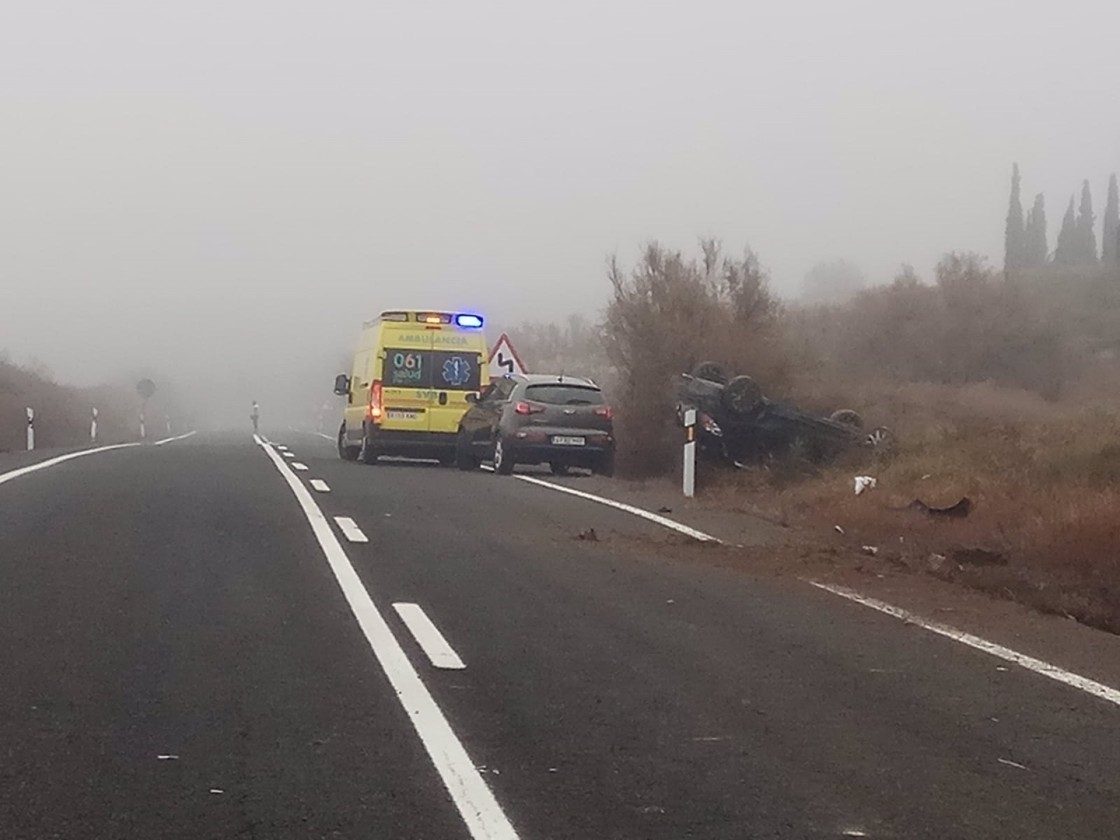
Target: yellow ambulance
x,y
408,386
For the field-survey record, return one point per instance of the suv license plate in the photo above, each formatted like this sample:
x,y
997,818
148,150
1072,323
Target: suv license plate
x,y
562,440
401,414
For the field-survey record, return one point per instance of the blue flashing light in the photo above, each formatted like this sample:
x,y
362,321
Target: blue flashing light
x,y
470,322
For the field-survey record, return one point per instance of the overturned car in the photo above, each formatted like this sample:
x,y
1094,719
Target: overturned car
x,y
737,424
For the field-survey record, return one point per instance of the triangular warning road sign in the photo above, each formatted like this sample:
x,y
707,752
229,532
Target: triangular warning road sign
x,y
504,360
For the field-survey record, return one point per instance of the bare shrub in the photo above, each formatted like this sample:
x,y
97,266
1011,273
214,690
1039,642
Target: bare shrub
x,y
666,315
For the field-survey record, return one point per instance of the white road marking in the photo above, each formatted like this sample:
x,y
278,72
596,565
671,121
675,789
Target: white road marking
x,y
427,635
288,454
635,511
476,803
325,437
1021,659
281,447
50,462
320,485
296,465
173,439
350,529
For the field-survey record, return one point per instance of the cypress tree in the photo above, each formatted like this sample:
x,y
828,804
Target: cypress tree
x,y
1035,248
1066,252
1086,236
1013,237
1111,236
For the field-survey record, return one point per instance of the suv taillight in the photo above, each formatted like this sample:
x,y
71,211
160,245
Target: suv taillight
x,y
605,411
525,408
375,402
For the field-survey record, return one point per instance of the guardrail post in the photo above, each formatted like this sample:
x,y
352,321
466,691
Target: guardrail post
x,y
30,429
690,452
93,427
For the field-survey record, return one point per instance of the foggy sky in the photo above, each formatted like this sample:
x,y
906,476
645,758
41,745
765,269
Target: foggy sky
x,y
225,190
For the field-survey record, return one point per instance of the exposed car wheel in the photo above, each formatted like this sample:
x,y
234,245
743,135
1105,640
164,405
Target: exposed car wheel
x,y
711,372
346,453
465,458
881,439
605,467
367,454
503,463
741,396
559,468
847,417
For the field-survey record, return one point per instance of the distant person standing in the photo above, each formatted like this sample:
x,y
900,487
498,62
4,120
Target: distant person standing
x,y
255,416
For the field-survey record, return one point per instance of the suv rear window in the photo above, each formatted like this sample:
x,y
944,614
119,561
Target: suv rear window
x,y
564,394
426,369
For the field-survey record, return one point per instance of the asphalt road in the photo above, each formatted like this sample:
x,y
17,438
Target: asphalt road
x,y
183,654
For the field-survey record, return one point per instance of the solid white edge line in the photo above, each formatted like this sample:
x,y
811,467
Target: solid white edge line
x,y
173,439
296,465
475,801
1038,666
69,456
320,485
350,529
427,635
635,511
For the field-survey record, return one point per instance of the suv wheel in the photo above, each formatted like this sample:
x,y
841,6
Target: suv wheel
x,y
503,462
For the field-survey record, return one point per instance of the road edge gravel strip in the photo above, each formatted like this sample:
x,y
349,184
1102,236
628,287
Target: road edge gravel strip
x,y
473,798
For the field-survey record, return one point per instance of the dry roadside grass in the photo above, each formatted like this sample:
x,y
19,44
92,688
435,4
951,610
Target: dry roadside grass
x,y
1043,478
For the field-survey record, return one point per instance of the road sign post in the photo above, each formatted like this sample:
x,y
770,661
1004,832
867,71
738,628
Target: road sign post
x,y
30,429
690,453
145,388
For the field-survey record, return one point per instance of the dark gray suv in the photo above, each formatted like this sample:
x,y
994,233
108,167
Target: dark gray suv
x,y
562,421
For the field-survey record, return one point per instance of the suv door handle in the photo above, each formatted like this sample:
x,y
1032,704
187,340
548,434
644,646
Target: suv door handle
x,y
443,398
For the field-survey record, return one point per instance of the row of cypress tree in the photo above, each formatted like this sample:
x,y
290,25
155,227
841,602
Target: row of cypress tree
x,y
1025,242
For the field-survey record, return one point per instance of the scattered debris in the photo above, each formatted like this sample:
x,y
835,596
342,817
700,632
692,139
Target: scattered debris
x,y
977,557
664,509
838,530
589,535
1010,763
958,511
936,561
865,482
167,757
217,791
870,549
926,477
1001,668
670,601
551,769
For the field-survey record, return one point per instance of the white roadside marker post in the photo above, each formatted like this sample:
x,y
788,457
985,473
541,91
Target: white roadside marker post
x,y
143,431
93,428
690,453
30,429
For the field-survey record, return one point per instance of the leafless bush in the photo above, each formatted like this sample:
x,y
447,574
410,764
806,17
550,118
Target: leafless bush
x,y
667,314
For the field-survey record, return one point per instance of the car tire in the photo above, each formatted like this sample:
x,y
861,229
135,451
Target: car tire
x,y
605,467
559,468
465,459
367,454
503,461
847,417
346,453
741,396
711,372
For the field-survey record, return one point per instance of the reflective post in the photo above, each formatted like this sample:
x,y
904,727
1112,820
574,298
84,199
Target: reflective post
x,y
30,429
93,427
690,453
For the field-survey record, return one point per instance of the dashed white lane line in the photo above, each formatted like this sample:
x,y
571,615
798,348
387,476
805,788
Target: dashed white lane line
x,y
320,485
1021,659
50,462
173,439
350,529
477,806
427,635
288,454
296,465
